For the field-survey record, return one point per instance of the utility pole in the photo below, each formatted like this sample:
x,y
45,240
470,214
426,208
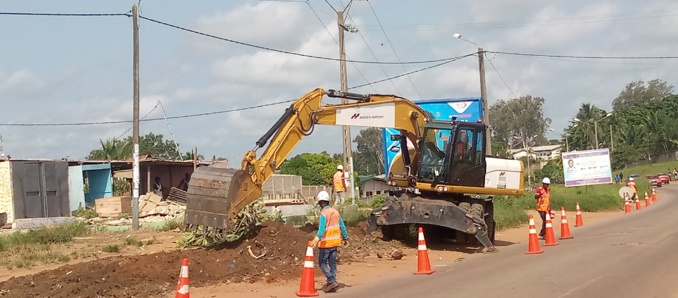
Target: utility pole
x,y
483,98
345,130
2,150
135,126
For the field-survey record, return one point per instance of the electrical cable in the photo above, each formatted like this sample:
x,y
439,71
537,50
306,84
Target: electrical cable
x,y
502,78
127,14
151,119
584,57
393,48
289,52
414,71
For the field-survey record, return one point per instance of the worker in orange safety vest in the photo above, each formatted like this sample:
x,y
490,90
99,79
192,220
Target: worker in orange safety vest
x,y
543,197
339,185
331,233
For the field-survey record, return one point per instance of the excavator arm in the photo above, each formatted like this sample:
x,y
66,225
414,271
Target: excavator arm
x,y
217,195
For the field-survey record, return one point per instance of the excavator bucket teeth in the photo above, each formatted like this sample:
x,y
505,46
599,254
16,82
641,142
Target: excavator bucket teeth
x,y
210,197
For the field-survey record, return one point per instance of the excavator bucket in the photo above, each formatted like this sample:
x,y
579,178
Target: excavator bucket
x,y
210,199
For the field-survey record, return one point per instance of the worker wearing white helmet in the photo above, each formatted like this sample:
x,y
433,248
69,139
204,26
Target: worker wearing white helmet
x,y
331,233
543,197
339,185
632,185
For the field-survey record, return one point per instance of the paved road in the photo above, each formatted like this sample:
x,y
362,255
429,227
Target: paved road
x,y
631,255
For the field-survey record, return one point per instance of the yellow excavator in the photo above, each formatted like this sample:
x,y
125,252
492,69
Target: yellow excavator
x,y
443,178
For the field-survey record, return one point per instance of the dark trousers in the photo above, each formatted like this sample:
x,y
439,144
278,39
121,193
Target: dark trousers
x,y
542,214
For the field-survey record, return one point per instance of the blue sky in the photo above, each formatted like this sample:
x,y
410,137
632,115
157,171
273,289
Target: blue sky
x,y
79,69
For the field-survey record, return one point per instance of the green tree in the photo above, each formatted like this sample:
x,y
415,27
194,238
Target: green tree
x,y
150,144
519,122
582,130
314,168
369,157
639,92
111,149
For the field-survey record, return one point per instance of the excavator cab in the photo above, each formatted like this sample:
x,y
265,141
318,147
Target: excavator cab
x,y
453,154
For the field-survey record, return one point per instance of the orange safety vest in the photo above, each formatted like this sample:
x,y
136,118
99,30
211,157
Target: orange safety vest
x,y
332,236
632,184
338,181
544,200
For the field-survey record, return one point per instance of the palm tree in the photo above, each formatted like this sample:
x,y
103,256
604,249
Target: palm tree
x,y
115,149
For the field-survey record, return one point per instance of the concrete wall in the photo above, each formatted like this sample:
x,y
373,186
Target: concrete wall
x,y
6,195
374,187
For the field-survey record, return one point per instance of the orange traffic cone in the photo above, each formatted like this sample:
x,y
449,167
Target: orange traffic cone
x,y
182,286
627,205
533,243
578,219
647,200
550,237
637,204
423,263
307,286
654,195
564,227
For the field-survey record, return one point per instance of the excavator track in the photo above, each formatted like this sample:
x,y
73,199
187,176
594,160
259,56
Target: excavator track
x,y
209,199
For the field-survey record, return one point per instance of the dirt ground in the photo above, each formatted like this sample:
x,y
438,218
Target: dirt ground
x,y
271,269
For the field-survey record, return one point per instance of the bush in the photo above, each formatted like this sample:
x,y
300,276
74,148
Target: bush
x,y
111,248
86,213
46,235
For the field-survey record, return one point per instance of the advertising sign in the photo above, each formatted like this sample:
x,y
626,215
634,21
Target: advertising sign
x,y
587,167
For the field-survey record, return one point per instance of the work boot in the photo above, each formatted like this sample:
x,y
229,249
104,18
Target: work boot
x,y
324,287
331,287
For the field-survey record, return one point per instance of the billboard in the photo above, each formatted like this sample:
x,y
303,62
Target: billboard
x,y
465,109
587,167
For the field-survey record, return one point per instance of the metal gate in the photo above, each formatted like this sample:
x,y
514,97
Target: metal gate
x,y
40,189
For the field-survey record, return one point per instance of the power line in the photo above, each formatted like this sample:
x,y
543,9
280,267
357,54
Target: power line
x,y
414,71
584,57
151,119
335,41
66,14
392,47
289,52
502,78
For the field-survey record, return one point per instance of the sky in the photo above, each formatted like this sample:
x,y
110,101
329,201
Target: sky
x,y
57,70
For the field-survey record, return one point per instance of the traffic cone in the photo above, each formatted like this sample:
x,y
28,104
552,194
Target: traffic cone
x,y
550,237
307,286
533,243
182,286
637,204
647,200
654,195
423,263
564,227
627,205
578,219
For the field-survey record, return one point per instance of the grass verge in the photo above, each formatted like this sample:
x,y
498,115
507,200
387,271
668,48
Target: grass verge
x,y
24,249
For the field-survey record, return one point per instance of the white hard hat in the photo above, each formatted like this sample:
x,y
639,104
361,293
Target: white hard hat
x,y
631,179
340,167
323,196
546,180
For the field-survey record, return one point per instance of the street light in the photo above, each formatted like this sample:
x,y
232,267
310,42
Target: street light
x,y
483,91
595,125
567,144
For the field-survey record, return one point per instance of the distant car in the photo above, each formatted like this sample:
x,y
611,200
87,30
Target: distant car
x,y
634,176
664,178
654,180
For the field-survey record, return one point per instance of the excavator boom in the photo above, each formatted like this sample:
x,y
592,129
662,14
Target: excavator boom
x,y
216,195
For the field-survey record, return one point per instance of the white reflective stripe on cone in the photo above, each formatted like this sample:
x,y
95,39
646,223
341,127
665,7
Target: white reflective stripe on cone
x,y
533,231
421,236
183,289
421,247
548,216
184,271
531,221
562,212
563,220
308,264
549,225
309,251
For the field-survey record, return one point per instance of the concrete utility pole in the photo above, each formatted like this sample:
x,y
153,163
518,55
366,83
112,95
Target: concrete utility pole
x,y
345,130
483,97
135,126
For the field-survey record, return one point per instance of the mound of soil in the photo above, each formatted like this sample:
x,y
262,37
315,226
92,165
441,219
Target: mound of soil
x,y
157,274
